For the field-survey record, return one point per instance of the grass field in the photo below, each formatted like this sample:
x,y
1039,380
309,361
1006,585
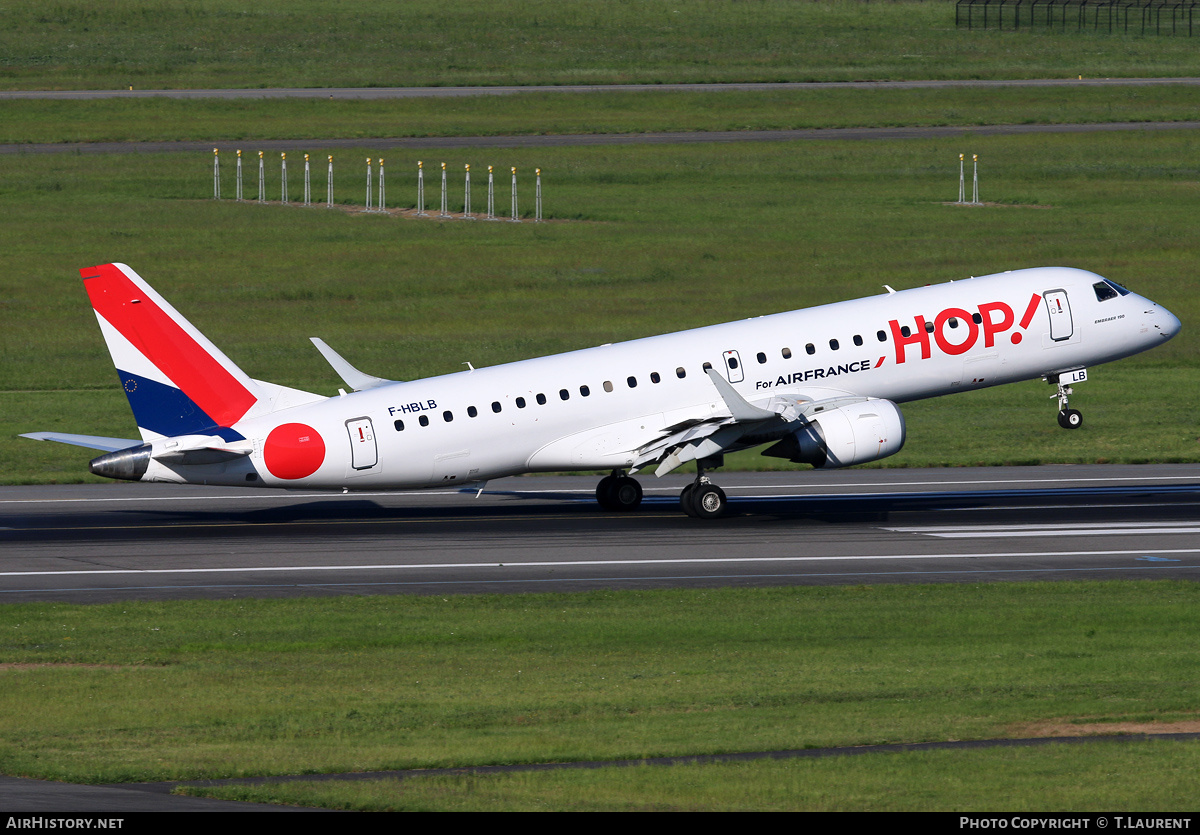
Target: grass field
x,y
308,43
146,691
1137,777
223,122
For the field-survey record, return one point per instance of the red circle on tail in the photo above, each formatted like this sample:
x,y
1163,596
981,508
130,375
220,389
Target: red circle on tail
x,y
293,450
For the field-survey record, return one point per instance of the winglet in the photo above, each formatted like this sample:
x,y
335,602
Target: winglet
x,y
351,375
742,411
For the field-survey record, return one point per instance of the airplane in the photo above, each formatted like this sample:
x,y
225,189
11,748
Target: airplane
x,y
817,386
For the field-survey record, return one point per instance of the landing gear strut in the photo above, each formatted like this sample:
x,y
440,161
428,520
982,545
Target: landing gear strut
x,y
619,492
702,499
1067,418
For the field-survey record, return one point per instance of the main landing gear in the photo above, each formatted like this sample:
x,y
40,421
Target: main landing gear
x,y
702,499
619,492
1067,418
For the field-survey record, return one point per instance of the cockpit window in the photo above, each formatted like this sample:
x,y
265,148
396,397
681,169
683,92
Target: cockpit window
x,y
1104,292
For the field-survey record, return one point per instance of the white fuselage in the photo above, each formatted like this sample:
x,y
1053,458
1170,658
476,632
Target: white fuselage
x,y
592,409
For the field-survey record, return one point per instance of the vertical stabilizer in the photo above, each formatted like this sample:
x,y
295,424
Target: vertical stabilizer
x,y
177,382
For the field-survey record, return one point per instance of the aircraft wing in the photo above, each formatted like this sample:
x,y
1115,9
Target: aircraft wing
x,y
89,441
746,425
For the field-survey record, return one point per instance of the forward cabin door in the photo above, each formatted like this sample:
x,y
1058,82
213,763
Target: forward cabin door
x,y
1062,327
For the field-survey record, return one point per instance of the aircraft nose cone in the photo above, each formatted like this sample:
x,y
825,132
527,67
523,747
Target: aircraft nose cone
x,y
1168,323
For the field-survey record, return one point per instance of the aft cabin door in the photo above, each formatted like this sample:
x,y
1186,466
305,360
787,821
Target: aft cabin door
x,y
733,366
1062,327
363,453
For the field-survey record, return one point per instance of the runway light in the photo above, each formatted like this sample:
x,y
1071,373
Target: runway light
x,y
467,194
307,183
421,189
445,212
514,218
329,185
537,200
491,203
368,184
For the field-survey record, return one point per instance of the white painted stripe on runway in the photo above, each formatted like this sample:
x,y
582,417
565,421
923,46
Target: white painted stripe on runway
x,y
577,563
1071,529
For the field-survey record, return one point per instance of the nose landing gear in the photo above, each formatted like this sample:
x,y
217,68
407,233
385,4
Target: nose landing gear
x,y
1068,418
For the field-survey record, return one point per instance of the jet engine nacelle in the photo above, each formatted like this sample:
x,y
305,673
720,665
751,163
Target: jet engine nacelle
x,y
852,434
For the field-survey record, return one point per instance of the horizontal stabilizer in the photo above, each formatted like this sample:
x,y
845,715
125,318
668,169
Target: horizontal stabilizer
x,y
89,441
357,380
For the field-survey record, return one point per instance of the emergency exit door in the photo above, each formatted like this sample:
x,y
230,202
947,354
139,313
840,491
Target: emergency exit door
x,y
733,366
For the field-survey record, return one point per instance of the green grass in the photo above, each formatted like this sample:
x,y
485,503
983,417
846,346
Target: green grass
x,y
243,121
221,43
1116,777
148,691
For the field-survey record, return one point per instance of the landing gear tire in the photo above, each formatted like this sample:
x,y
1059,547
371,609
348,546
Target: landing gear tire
x,y
704,501
1070,419
685,499
619,493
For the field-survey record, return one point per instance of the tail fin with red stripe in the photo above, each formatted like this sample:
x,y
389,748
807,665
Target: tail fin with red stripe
x,y
177,381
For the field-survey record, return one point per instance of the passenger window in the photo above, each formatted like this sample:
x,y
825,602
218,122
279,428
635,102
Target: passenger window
x,y
732,362
810,348
833,344
585,391
881,336
564,394
607,385
423,420
707,367
761,357
787,353
399,425
977,318
541,399
905,331
857,340
447,416
496,406
680,372
632,381
472,411
654,378
929,327
952,322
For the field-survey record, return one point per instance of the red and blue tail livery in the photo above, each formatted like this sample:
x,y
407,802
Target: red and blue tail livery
x,y
177,382
820,386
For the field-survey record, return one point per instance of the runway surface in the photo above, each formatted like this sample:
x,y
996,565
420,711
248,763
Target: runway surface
x,y
130,541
